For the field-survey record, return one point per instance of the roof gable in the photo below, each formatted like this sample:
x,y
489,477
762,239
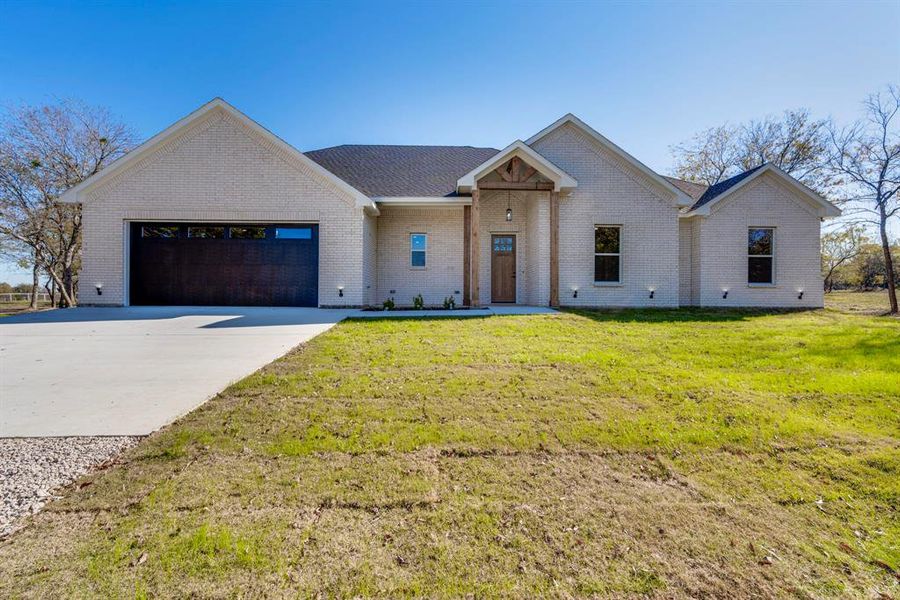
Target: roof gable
x,y
716,193
79,192
682,199
561,179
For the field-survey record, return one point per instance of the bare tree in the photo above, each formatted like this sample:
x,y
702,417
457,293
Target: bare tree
x,y
839,247
45,150
866,156
795,142
708,157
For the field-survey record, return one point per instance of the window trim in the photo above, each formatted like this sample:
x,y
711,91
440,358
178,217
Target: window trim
x,y
773,282
620,281
423,251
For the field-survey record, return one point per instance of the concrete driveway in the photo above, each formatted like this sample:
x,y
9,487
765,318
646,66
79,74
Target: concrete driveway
x,y
129,371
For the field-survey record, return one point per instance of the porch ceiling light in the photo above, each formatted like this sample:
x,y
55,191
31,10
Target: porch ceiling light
x,y
508,208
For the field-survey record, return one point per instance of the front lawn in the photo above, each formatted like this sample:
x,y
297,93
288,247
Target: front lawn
x,y
669,453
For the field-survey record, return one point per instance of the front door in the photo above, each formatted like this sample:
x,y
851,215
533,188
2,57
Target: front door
x,y
503,268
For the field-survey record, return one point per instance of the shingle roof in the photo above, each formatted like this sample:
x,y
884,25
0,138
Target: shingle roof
x,y
694,190
409,171
723,186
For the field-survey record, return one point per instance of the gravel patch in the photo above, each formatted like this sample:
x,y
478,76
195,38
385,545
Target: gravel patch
x,y
33,469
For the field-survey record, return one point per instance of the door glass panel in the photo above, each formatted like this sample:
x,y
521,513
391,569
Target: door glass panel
x,y
248,233
293,233
503,244
210,233
156,231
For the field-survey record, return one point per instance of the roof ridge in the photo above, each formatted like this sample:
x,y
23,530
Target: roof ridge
x,y
404,146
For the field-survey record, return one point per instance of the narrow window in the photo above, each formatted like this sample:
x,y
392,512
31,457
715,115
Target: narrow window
x,y
248,233
761,255
207,233
607,254
157,231
418,244
293,233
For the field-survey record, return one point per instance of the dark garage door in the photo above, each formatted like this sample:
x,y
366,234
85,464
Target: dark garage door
x,y
212,264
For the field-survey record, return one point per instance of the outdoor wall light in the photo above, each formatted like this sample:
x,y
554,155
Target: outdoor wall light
x,y
724,293
800,296
574,291
652,292
99,287
508,207
341,291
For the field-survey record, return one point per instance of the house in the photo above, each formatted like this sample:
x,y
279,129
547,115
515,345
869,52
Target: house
x,y
216,210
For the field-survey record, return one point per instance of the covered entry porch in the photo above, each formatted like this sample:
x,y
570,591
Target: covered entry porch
x,y
511,229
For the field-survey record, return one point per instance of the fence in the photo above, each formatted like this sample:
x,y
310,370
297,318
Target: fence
x,y
23,297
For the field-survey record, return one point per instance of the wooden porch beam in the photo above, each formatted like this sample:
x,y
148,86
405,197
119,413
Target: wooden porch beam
x,y
504,185
467,255
554,249
474,223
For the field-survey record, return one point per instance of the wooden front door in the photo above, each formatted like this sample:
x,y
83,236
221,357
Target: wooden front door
x,y
503,268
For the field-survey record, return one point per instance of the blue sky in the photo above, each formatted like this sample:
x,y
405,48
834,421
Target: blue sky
x,y
647,75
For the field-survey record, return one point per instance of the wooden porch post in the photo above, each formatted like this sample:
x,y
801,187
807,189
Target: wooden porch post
x,y
554,249
474,222
467,255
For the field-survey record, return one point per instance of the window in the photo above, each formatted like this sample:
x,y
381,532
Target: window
x,y
418,245
248,233
164,231
293,233
607,254
206,232
761,256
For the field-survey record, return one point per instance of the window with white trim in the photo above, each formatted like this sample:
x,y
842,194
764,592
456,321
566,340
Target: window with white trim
x,y
761,256
418,246
607,254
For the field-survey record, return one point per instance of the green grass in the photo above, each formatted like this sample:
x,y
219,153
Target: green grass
x,y
607,454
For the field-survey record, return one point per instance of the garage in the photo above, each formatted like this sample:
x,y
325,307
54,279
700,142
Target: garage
x,y
215,264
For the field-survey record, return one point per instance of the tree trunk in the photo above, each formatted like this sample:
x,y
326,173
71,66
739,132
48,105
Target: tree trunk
x,y
888,264
35,285
68,282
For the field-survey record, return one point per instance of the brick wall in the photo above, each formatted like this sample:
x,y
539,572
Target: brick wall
x,y
685,259
443,273
219,170
611,192
765,202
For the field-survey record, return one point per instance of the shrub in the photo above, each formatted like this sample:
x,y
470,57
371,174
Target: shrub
x,y
419,302
449,303
388,304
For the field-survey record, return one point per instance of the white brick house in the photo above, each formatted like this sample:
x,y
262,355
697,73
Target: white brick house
x,y
218,210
